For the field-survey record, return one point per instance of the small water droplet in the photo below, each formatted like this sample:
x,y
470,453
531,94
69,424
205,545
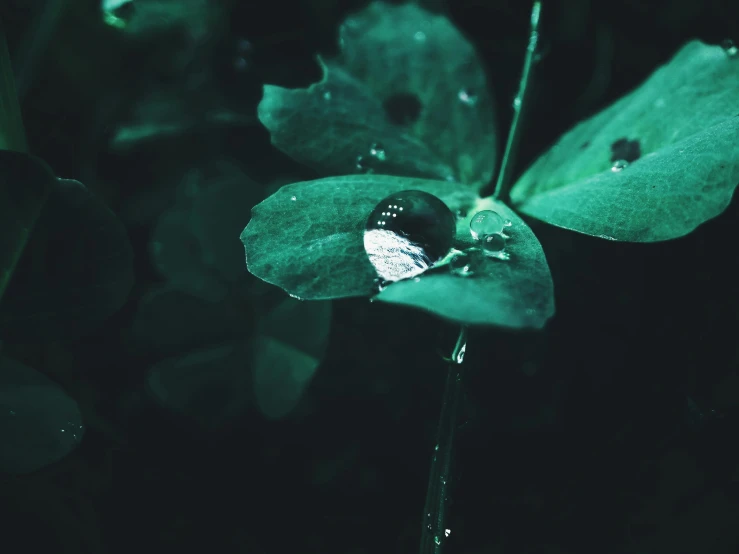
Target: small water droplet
x,y
467,96
507,223
436,448
447,532
293,198
437,540
377,151
362,165
461,264
486,222
517,103
419,36
327,95
731,49
619,165
493,245
407,233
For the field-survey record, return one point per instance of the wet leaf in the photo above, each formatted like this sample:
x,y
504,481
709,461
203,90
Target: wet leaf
x,y
313,248
516,293
406,83
677,132
287,351
39,422
307,238
81,274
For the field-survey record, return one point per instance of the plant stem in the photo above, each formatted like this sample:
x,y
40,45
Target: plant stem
x,y
520,104
435,531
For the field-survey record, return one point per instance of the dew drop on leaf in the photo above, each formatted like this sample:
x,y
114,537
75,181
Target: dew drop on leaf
x,y
461,264
493,245
486,222
731,49
419,36
377,151
327,95
619,165
467,96
362,165
407,233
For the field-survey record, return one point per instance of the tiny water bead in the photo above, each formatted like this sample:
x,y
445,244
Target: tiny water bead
x,y
377,151
731,49
619,165
486,222
419,36
467,96
407,233
461,264
493,246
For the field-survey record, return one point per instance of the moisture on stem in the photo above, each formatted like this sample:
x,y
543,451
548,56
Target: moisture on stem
x,y
520,104
435,529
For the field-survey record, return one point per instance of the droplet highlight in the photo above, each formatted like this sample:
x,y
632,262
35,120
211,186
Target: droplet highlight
x,y
467,96
419,36
377,151
486,222
731,49
619,165
407,233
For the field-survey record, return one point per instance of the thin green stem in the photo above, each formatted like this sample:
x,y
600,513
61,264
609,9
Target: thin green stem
x,y
520,105
435,529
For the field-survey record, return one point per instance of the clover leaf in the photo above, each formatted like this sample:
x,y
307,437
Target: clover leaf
x,y
654,165
308,237
78,270
241,346
408,83
39,422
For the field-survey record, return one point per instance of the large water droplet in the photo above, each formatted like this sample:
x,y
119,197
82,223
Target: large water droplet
x,y
378,151
407,233
486,222
619,165
731,49
467,96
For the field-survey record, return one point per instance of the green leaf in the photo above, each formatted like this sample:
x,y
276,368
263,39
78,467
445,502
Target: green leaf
x,y
678,131
39,422
169,321
78,274
207,387
516,293
313,248
388,54
307,238
25,183
287,351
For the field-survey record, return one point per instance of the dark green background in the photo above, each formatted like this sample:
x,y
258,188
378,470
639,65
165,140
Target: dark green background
x,y
578,439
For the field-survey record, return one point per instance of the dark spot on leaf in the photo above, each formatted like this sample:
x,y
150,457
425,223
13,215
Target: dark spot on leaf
x,y
403,108
584,145
625,149
267,268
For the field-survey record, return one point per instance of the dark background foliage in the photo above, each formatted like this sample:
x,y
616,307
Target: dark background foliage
x,y
613,430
